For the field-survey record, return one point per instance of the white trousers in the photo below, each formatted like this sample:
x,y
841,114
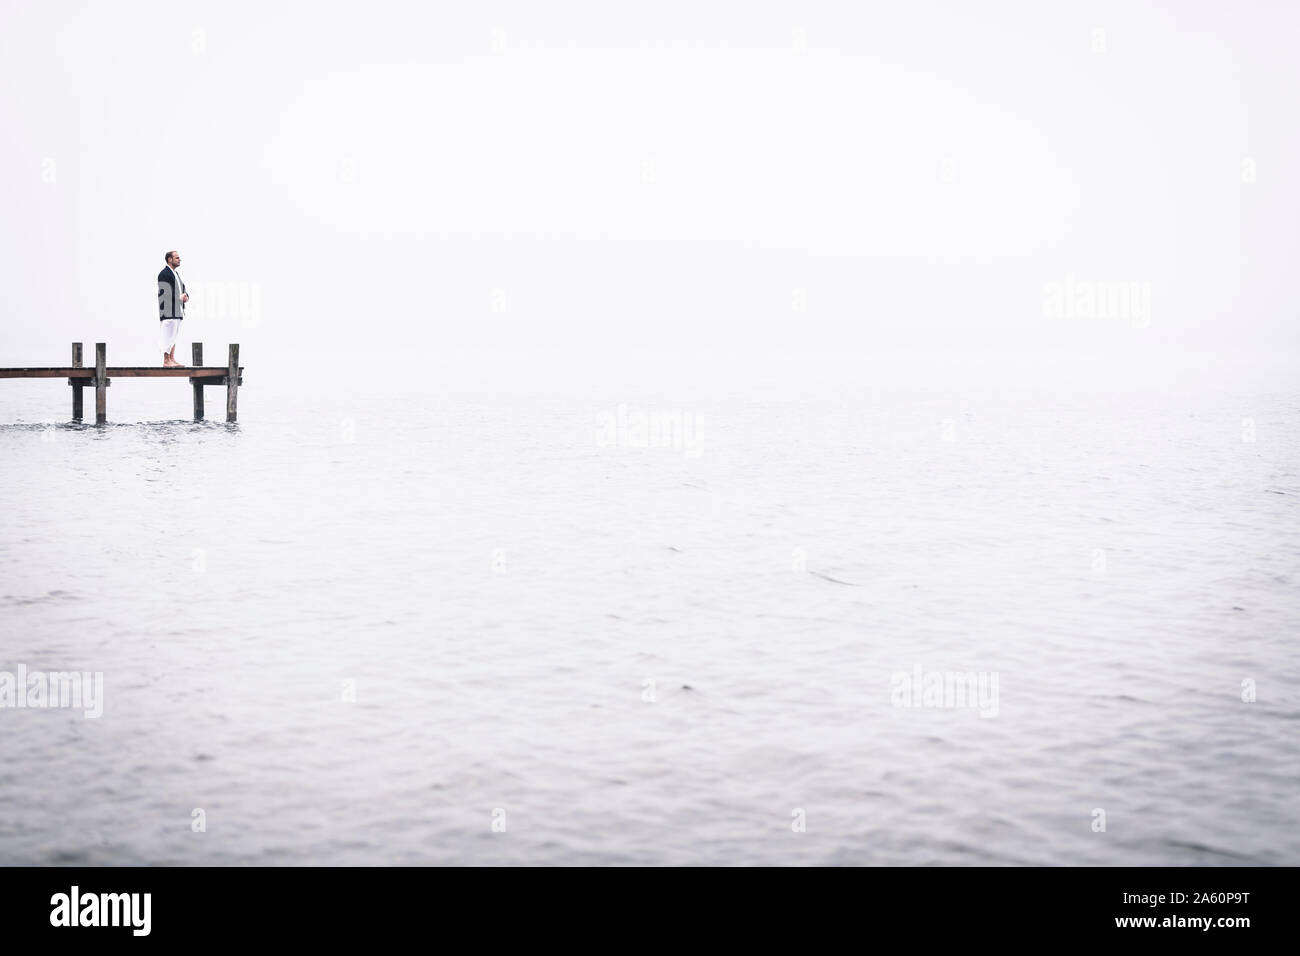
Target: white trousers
x,y
169,333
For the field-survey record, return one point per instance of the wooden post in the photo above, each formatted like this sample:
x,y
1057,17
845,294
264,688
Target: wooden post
x,y
101,384
76,383
196,349
232,382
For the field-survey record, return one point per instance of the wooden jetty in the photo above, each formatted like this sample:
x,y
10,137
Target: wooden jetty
x,y
101,376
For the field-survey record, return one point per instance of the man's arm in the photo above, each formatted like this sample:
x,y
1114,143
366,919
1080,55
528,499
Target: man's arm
x,y
166,295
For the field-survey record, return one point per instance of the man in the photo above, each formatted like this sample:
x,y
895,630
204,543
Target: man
x,y
171,307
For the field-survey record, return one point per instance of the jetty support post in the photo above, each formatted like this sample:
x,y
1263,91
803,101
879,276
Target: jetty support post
x,y
196,350
232,382
76,383
101,384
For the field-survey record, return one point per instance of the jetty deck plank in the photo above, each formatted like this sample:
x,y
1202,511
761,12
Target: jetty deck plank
x,y
123,371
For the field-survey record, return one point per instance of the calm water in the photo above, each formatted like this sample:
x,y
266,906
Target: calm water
x,y
658,649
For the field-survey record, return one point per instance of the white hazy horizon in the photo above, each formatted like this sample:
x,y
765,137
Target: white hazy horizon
x,y
1106,179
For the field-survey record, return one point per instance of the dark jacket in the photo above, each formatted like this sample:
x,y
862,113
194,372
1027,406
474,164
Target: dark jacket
x,y
170,305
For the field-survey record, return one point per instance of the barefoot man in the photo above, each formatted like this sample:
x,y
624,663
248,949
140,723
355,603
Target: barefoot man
x,y
171,307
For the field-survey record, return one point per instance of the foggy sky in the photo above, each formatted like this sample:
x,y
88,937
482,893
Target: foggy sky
x,y
858,175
